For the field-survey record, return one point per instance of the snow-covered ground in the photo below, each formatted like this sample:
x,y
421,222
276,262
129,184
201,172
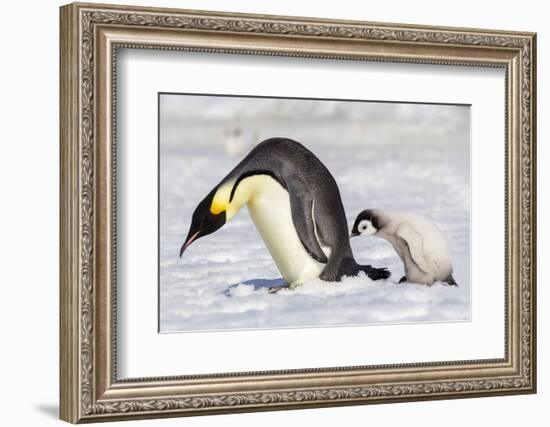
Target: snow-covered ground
x,y
394,156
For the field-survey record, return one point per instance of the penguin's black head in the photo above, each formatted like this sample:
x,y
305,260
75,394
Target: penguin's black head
x,y
204,221
366,224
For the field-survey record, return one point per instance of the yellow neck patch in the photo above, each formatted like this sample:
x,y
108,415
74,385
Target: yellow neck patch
x,y
217,208
247,190
220,202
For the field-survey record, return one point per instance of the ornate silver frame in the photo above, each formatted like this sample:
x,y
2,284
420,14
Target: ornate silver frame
x,y
90,36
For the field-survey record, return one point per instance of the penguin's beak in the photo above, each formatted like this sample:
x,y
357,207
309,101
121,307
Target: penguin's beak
x,y
188,241
353,234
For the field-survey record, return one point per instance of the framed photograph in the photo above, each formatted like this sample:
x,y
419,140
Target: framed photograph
x,y
267,212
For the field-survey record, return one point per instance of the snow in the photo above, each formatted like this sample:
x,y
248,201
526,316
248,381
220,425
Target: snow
x,y
392,156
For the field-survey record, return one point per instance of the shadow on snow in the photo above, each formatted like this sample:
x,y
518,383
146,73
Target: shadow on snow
x,y
258,285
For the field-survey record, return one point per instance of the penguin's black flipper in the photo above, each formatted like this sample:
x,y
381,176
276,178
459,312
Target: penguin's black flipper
x,y
302,206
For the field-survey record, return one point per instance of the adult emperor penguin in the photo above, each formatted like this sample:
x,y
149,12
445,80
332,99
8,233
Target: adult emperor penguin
x,y
296,207
418,242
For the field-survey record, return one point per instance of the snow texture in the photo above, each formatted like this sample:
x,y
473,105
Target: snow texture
x,y
412,157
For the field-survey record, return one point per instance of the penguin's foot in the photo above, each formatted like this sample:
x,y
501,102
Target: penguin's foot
x,y
275,289
336,269
451,281
377,273
403,279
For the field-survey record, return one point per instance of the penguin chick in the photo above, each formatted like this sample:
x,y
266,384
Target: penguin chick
x,y
418,242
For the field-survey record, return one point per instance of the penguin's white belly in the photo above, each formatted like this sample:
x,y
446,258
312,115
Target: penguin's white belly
x,y
270,210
